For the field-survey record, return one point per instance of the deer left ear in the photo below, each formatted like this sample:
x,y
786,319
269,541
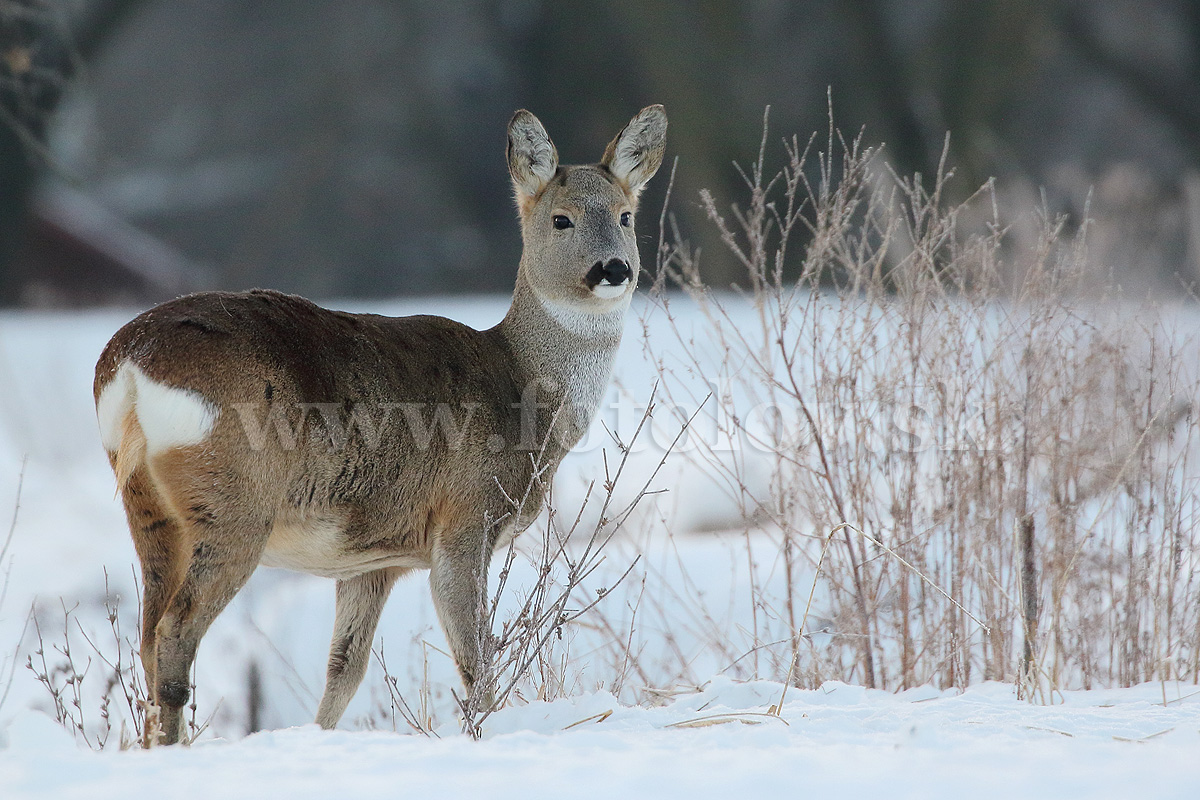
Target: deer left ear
x,y
637,151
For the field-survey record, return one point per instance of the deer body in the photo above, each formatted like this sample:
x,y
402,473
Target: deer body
x,y
260,428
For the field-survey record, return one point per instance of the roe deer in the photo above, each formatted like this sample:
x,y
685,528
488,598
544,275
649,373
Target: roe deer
x,y
258,428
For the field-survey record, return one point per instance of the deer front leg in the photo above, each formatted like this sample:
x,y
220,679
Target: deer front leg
x,y
458,579
359,603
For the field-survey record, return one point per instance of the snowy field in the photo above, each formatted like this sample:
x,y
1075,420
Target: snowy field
x,y
709,735
838,741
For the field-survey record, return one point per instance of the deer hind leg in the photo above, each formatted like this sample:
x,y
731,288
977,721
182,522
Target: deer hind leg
x,y
156,538
223,540
360,601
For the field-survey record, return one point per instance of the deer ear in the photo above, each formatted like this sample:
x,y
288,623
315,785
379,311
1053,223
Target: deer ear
x,y
636,153
532,159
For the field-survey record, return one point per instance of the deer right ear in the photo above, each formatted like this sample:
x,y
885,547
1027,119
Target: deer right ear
x,y
532,159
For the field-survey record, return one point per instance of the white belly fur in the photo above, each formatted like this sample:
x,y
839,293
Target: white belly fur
x,y
315,545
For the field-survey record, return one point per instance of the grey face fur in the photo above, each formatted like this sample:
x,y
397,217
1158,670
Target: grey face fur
x,y
594,204
577,222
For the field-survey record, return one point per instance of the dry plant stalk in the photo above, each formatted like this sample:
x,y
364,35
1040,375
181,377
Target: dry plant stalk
x,y
518,650
994,416
105,677
9,665
526,649
66,680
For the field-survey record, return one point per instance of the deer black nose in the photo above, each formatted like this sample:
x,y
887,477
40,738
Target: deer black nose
x,y
614,272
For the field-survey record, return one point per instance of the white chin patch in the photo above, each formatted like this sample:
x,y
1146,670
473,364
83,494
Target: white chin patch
x,y
607,291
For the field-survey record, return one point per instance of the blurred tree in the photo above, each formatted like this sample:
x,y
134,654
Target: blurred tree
x,y
355,148
33,66
988,54
888,83
1169,87
39,53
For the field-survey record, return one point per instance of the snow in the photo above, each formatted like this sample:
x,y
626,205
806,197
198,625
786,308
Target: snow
x,y
711,736
841,739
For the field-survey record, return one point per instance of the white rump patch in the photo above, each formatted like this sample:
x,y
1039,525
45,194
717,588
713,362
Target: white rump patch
x,y
169,417
114,403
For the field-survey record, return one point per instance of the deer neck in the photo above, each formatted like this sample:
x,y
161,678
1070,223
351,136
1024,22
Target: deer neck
x,y
569,352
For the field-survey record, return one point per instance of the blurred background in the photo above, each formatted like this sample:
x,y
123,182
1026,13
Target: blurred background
x,y
356,148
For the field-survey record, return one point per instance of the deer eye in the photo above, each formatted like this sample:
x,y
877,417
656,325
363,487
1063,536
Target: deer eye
x,y
562,222
626,219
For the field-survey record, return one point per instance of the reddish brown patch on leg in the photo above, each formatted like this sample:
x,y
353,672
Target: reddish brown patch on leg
x,y
220,538
156,539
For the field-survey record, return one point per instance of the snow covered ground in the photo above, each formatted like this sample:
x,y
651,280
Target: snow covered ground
x,y
70,550
837,741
